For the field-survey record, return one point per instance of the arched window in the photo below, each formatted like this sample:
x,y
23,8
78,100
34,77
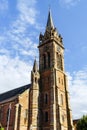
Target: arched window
x,y
48,59
44,57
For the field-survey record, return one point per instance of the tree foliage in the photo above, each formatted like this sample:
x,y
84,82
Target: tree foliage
x,y
82,123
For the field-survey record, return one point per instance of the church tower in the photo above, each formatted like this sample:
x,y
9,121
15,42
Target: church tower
x,y
54,96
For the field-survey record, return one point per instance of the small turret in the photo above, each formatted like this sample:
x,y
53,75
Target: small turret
x,y
34,96
34,73
35,68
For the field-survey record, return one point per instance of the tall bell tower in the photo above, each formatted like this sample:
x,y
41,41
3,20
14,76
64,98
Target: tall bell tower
x,y
55,108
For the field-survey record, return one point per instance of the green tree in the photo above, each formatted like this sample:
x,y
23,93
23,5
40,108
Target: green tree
x,y
82,123
1,128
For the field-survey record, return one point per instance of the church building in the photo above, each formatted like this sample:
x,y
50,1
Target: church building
x,y
43,104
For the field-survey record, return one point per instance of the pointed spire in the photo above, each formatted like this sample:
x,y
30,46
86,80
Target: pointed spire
x,y
50,21
35,68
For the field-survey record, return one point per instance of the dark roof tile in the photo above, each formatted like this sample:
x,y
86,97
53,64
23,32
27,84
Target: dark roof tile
x,y
13,92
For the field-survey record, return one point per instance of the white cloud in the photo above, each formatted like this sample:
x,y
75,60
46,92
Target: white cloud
x,y
27,11
4,52
18,43
25,18
13,73
3,6
2,40
18,38
69,3
78,92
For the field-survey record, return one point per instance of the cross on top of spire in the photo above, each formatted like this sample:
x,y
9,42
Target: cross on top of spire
x,y
50,21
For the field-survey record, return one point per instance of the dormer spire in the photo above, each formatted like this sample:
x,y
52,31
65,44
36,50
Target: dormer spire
x,y
50,21
35,68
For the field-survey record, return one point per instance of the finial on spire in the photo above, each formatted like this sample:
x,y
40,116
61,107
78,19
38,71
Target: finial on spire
x,y
50,20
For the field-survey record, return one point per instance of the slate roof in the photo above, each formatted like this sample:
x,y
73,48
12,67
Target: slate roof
x,y
14,92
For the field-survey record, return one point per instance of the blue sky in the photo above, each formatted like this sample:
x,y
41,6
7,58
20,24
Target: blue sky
x,y
21,22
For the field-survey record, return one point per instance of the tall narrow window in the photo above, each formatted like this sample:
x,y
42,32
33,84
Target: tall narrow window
x,y
25,115
7,115
59,79
62,118
46,98
59,61
36,80
57,57
61,99
62,81
48,59
44,61
46,116
0,114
